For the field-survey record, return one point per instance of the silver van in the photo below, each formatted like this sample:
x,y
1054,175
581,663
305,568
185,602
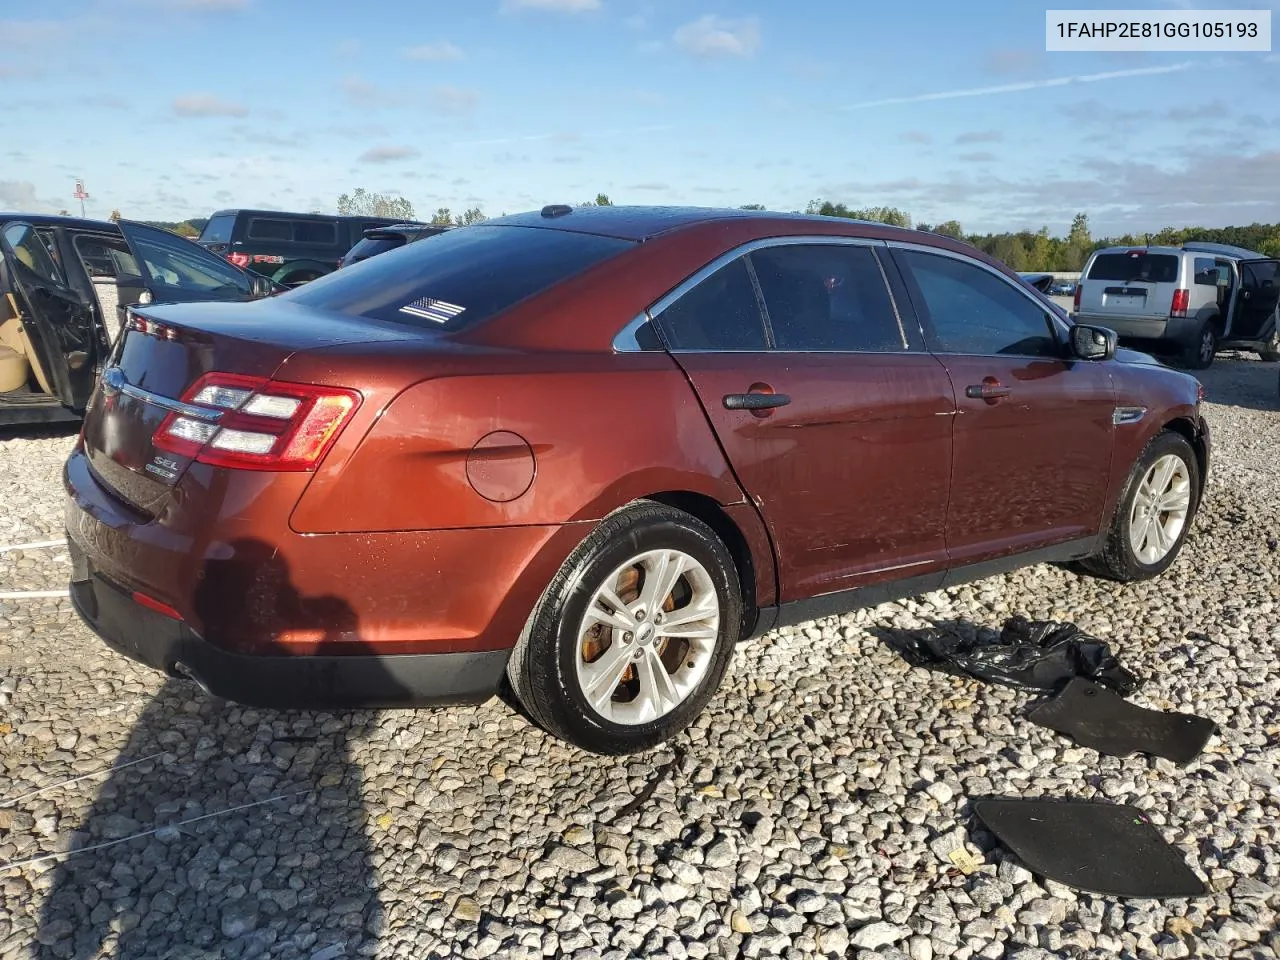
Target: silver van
x,y
1191,300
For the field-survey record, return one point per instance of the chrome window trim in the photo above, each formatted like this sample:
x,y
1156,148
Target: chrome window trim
x,y
1054,319
114,381
625,340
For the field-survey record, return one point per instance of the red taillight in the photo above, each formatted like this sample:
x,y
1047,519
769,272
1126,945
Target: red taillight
x,y
151,603
240,260
265,424
1075,300
1181,298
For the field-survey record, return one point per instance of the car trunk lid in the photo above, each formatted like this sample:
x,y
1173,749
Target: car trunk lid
x,y
162,371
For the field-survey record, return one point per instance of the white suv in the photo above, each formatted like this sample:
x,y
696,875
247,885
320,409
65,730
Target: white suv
x,y
1192,300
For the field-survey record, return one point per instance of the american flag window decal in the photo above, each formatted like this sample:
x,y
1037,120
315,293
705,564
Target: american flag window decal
x,y
430,309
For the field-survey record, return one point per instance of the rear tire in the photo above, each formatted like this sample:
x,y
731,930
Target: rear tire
x,y
608,665
1199,354
1147,533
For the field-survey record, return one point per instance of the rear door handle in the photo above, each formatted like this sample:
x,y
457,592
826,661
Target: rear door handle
x,y
989,389
755,401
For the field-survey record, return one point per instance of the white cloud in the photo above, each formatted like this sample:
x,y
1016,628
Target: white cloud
x,y
980,136
452,100
438,52
213,6
363,93
1026,85
388,154
712,36
559,6
207,105
20,195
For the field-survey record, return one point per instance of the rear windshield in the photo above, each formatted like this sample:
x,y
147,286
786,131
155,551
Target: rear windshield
x,y
460,278
218,229
1138,265
372,246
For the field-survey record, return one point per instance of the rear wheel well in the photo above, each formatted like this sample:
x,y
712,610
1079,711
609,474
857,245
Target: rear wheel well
x,y
713,515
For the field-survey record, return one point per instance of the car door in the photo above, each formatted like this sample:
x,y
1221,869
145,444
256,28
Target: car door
x,y
178,270
61,319
1255,313
1033,431
830,412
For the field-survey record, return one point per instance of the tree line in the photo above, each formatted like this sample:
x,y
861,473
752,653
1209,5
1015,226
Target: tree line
x,y
1026,250
1037,251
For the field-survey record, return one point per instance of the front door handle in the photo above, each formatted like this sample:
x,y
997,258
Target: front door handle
x,y
990,390
755,401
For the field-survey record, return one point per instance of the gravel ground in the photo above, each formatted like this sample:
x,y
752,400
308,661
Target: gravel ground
x,y
808,812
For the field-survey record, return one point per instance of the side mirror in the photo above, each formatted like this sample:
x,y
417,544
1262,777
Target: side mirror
x,y
261,286
1093,343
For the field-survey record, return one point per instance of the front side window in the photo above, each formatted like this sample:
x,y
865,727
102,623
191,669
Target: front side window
x,y
1260,273
975,312
827,297
174,262
720,313
218,229
32,252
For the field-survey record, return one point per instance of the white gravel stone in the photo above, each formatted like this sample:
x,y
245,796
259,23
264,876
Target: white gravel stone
x,y
821,792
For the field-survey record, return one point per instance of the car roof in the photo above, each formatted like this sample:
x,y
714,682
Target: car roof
x,y
641,223
236,211
1191,246
56,220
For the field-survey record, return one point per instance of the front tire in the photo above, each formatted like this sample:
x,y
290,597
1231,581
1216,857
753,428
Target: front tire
x,y
1154,514
632,637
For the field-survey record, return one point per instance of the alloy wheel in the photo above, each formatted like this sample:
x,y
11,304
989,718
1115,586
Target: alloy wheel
x,y
1160,509
648,637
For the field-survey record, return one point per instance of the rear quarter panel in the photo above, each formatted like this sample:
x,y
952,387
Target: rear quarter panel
x,y
577,437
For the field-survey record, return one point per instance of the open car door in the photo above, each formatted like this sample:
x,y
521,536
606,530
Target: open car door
x,y
178,270
1255,317
60,320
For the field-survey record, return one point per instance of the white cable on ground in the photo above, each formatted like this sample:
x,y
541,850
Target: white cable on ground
x,y
32,594
13,864
34,545
65,783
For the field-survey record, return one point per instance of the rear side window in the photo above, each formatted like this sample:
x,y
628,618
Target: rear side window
x,y
460,277
1207,272
1136,265
315,231
720,313
218,229
263,229
827,297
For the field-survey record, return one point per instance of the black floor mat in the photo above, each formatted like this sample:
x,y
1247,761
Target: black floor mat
x,y
1098,847
1096,717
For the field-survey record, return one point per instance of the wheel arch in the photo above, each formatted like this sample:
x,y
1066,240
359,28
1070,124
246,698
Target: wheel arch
x,y
756,572
293,267
1185,427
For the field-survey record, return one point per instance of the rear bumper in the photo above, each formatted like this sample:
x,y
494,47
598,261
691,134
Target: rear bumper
x,y
279,682
1168,330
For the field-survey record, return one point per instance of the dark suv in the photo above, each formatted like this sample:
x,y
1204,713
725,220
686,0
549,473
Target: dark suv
x,y
290,248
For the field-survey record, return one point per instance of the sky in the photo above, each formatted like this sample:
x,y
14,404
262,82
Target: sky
x,y
169,109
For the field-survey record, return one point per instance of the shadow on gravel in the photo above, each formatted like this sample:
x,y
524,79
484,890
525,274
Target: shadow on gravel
x,y
39,431
288,873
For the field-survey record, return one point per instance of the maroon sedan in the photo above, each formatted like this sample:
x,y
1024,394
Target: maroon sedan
x,y
590,450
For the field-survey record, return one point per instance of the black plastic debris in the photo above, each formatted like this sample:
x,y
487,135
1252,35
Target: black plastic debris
x,y
1094,846
1096,717
1039,655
